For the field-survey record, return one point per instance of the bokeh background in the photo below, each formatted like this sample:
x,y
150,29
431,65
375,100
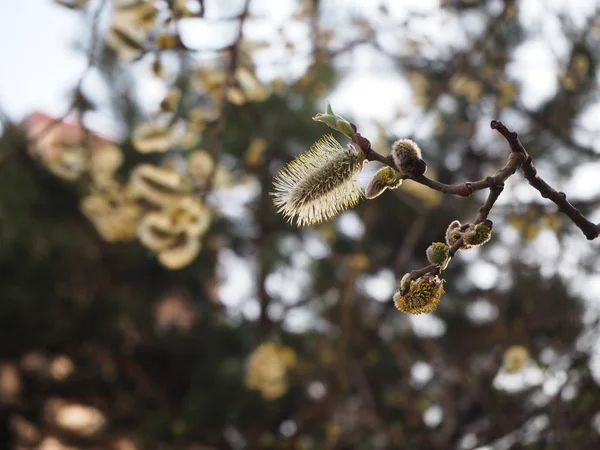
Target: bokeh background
x,y
151,297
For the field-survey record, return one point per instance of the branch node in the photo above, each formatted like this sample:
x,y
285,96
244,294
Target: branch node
x,y
362,142
520,160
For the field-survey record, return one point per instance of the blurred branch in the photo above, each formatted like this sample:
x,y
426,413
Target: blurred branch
x,y
461,61
541,121
219,124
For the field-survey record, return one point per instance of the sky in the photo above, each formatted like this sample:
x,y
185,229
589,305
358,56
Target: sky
x,y
39,66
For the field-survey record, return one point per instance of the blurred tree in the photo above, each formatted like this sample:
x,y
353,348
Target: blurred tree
x,y
151,297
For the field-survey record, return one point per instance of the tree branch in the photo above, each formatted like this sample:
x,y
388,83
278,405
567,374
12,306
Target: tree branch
x,y
219,125
466,189
517,159
589,229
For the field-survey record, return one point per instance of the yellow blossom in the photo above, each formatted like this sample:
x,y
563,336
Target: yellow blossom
x,y
267,368
112,211
515,358
157,185
423,295
152,137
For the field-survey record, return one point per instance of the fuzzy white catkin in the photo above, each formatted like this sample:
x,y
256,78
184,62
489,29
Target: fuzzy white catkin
x,y
319,183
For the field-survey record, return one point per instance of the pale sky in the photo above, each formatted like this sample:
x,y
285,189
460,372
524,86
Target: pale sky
x,y
38,63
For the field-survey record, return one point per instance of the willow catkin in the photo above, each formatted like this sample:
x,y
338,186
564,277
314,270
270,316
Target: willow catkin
x,y
478,234
453,233
384,178
407,157
319,183
423,295
438,253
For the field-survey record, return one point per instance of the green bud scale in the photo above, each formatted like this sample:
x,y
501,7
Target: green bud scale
x,y
335,121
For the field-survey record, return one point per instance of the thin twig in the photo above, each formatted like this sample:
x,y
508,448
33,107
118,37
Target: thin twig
x,y
466,189
517,159
589,229
485,210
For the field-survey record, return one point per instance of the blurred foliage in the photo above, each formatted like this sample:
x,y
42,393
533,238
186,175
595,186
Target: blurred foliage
x,y
151,297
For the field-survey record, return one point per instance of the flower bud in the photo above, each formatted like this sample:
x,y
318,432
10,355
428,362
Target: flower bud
x,y
423,295
453,233
407,157
384,178
437,253
328,120
515,358
405,284
478,234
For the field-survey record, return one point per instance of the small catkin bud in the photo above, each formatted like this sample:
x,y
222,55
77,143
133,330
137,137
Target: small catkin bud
x,y
423,295
437,253
320,183
453,233
478,234
405,284
384,178
407,157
